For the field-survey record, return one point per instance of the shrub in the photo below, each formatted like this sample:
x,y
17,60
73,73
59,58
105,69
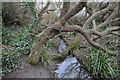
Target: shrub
x,y
20,41
10,61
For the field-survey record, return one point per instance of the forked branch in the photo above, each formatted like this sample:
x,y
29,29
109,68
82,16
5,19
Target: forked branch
x,y
88,38
97,14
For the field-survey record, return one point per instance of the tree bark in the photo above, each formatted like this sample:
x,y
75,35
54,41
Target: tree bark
x,y
47,34
50,32
65,9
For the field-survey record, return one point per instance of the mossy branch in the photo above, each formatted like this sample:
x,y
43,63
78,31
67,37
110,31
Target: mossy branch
x,y
72,46
61,36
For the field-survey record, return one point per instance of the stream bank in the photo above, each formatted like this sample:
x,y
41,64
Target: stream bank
x,y
64,68
70,67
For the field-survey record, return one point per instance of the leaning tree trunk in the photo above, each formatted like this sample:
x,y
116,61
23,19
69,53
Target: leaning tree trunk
x,y
50,32
39,44
59,26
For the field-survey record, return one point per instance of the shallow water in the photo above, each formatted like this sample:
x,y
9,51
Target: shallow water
x,y
70,68
62,46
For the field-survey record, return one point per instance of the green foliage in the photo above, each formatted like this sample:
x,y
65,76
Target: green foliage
x,y
50,43
112,46
10,61
90,27
73,46
45,57
31,7
101,64
21,40
33,11
74,33
6,36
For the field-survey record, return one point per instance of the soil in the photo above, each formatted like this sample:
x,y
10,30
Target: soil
x,y
26,70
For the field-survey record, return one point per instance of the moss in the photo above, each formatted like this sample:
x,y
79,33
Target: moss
x,y
59,35
73,46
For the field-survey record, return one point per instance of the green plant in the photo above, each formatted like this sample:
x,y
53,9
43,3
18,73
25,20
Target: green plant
x,y
74,33
6,36
101,65
45,57
51,42
10,60
21,39
33,11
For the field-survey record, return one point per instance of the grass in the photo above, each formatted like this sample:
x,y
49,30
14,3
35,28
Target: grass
x,y
101,65
45,57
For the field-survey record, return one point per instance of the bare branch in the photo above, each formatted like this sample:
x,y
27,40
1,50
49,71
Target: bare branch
x,y
87,23
66,7
43,11
112,30
108,20
88,38
94,21
116,33
72,12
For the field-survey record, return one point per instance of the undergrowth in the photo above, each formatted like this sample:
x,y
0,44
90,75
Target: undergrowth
x,y
20,41
10,60
45,57
101,65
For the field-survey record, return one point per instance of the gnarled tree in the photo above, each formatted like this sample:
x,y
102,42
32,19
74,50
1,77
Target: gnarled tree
x,y
59,26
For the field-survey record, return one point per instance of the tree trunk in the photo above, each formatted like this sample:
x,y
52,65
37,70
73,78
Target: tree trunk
x,y
41,39
50,32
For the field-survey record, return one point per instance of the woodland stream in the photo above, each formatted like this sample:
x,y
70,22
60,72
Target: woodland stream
x,y
70,67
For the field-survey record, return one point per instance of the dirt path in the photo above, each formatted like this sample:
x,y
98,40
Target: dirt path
x,y
30,71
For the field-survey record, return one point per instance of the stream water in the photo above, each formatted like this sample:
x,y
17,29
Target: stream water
x,y
70,68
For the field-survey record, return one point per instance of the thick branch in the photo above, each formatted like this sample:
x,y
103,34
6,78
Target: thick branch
x,y
43,11
72,12
66,7
112,30
88,38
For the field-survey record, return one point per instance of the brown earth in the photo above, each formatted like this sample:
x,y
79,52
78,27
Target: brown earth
x,y
26,70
